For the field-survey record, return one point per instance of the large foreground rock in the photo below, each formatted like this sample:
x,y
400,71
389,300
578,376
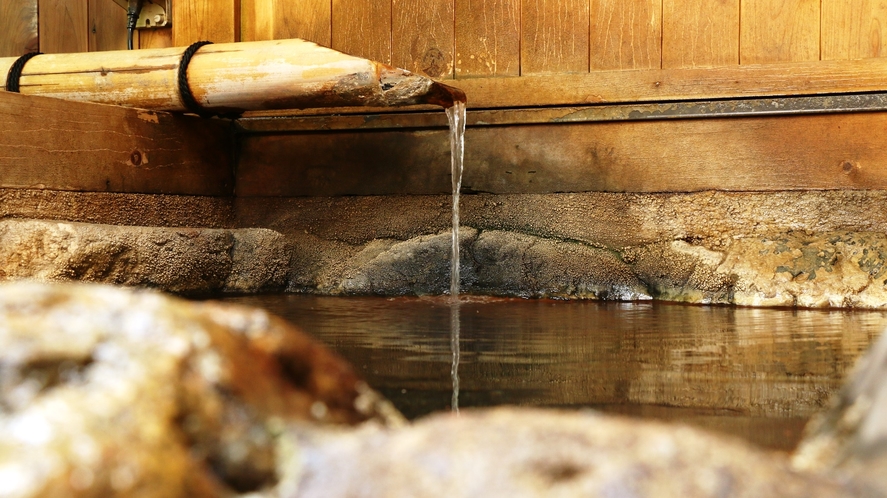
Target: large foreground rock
x,y
510,452
109,392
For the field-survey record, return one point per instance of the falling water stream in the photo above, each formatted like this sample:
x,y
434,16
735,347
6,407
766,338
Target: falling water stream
x,y
456,116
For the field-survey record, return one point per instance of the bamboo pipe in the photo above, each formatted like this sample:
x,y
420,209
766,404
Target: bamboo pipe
x,y
229,77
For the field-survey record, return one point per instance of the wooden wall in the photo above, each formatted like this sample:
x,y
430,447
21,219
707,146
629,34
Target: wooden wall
x,y
477,38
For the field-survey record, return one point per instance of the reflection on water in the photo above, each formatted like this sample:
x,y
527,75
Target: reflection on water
x,y
456,350
758,373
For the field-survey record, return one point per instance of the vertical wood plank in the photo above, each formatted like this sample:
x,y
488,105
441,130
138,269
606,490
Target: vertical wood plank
x,y
256,20
626,34
704,33
63,26
854,29
195,20
423,36
155,38
779,31
306,19
554,36
18,25
363,28
107,26
487,38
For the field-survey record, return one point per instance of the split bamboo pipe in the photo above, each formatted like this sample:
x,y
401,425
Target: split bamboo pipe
x,y
228,78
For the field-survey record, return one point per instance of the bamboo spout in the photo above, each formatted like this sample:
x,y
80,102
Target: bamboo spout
x,y
229,77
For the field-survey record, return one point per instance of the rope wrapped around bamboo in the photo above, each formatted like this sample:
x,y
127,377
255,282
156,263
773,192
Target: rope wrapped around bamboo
x,y
228,78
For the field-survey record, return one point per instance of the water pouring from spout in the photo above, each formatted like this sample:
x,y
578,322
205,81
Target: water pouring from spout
x,y
456,115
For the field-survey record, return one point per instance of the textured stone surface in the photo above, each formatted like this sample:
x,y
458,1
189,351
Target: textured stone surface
x,y
830,269
108,392
524,452
492,262
611,220
173,259
710,247
837,269
113,208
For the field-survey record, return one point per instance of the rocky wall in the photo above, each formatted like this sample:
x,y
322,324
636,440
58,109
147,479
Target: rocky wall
x,y
793,248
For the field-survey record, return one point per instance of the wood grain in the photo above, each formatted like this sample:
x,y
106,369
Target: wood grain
x,y
626,34
779,31
18,23
155,38
195,20
799,78
63,26
854,29
107,26
704,33
256,20
306,19
488,38
53,144
749,154
554,36
651,85
423,36
363,28
275,71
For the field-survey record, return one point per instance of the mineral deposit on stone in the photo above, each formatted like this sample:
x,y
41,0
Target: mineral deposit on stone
x,y
111,392
512,452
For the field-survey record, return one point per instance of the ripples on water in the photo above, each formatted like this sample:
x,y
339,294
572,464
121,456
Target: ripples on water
x,y
756,373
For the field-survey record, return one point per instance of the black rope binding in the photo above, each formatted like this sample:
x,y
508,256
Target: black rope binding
x,y
15,72
184,89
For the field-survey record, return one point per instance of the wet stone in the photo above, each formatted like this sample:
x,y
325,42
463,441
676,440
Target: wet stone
x,y
113,392
528,453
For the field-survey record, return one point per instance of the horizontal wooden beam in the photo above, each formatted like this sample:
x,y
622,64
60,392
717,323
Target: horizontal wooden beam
x,y
830,151
697,109
656,85
659,85
59,145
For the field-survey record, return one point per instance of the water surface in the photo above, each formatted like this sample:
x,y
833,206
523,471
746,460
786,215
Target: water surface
x,y
755,373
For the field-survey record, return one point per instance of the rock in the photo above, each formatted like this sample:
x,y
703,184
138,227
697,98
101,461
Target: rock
x,y
110,392
260,261
493,262
793,268
515,264
810,270
813,270
849,440
512,452
420,265
680,271
182,260
700,247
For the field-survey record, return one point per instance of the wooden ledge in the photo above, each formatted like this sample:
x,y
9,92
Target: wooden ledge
x,y
47,143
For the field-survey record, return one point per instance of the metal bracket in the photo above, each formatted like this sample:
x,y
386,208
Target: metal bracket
x,y
154,14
